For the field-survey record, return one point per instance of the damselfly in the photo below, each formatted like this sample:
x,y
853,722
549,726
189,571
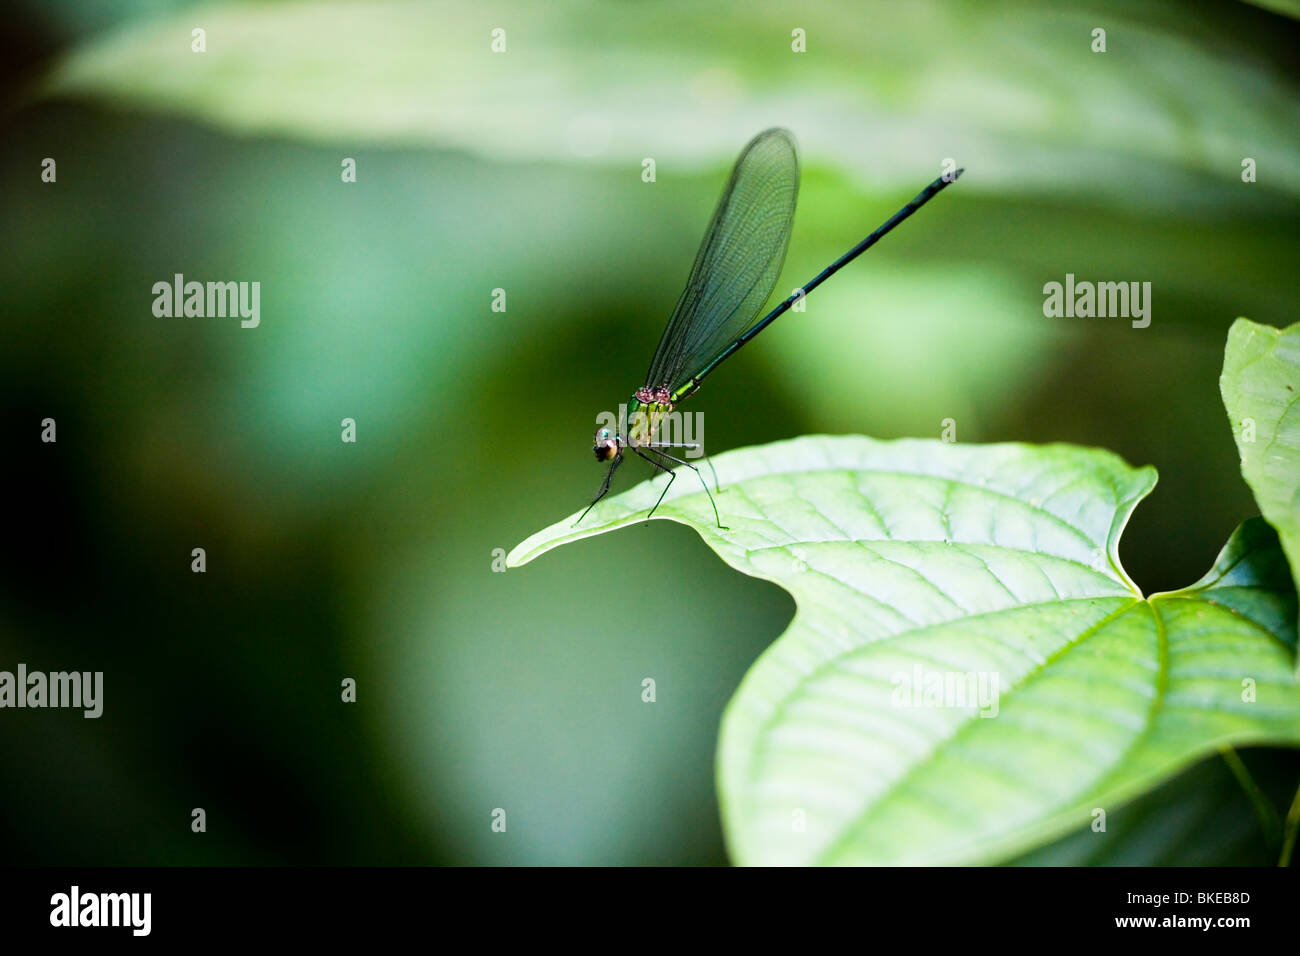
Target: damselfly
x,y
734,273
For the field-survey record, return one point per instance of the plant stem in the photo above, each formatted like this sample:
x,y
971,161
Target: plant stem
x,y
1264,810
1289,834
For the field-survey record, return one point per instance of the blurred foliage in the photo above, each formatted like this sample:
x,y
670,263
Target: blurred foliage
x,y
1289,7
1201,818
522,171
884,89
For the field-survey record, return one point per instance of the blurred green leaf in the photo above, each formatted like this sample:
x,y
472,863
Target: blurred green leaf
x,y
1261,390
1202,817
1288,8
918,561
1027,110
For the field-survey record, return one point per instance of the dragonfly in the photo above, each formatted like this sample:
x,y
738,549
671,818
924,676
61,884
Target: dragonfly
x,y
734,273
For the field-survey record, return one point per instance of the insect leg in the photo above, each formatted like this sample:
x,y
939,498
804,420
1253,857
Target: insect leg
x,y
703,483
689,444
604,489
671,477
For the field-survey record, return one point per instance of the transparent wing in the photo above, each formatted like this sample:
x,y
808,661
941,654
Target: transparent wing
x,y
738,262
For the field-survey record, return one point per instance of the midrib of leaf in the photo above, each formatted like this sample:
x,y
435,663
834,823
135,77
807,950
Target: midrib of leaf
x,y
1161,685
833,663
1113,785
953,740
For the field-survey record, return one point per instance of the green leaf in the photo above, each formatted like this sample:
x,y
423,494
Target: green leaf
x,y
876,94
1203,817
912,561
1261,391
1286,8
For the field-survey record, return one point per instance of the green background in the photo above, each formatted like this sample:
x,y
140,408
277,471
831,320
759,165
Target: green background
x,y
522,171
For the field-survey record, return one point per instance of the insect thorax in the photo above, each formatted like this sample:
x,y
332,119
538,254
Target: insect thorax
x,y
645,412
